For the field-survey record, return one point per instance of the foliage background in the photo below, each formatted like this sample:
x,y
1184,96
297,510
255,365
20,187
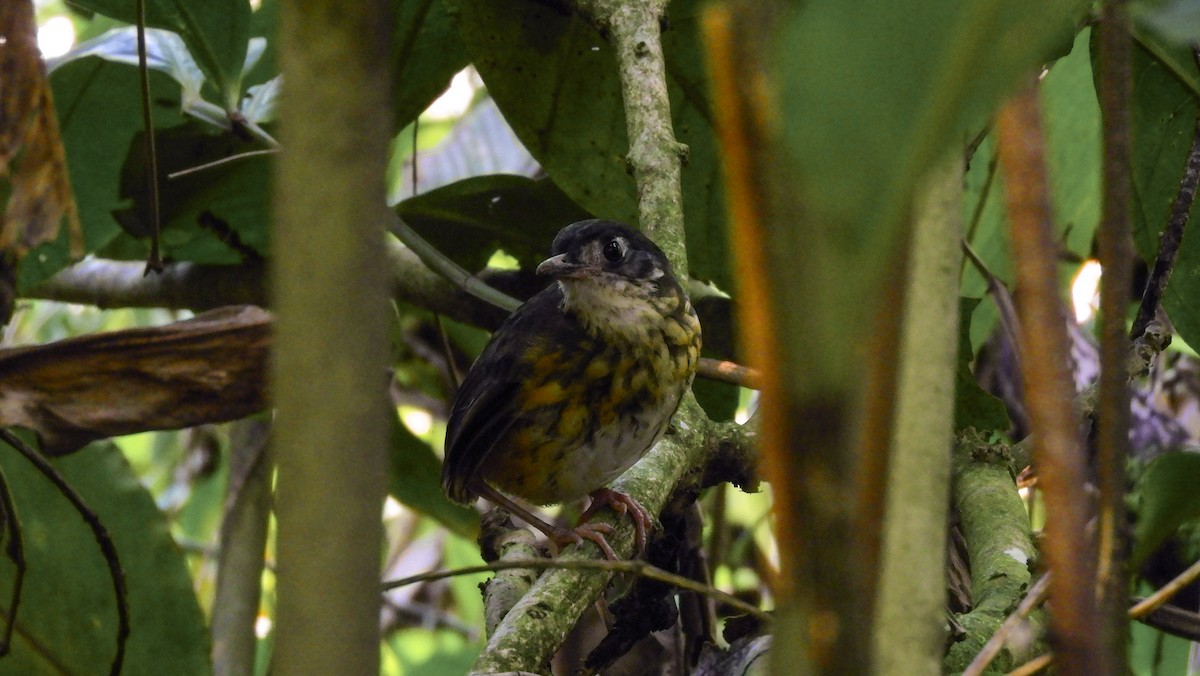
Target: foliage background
x,y
873,95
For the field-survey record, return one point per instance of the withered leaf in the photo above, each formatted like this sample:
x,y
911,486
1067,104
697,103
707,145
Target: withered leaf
x,y
211,368
38,200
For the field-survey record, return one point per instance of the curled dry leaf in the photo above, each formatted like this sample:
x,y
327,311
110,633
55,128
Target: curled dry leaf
x,y
38,200
211,368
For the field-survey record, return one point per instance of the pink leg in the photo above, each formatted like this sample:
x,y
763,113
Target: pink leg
x,y
561,537
621,503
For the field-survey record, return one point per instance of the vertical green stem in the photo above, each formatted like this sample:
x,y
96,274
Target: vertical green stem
x,y
910,606
328,291
1116,258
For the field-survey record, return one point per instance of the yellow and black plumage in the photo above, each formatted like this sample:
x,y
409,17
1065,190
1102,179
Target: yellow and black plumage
x,y
578,383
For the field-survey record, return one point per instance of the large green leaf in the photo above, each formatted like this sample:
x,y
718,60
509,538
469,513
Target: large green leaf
x,y
216,33
884,88
1167,498
1164,119
67,619
555,78
426,53
470,219
214,216
1071,120
99,112
875,92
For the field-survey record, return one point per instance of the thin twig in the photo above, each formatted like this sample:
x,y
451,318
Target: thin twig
x,y
1002,299
224,160
1169,590
984,193
1175,621
439,263
1172,236
1033,666
448,352
1049,390
99,531
635,566
1037,593
154,262
729,372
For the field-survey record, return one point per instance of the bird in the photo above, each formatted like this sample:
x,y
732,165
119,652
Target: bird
x,y
577,384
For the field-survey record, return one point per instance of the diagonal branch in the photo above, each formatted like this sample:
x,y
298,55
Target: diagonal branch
x,y
529,635
532,631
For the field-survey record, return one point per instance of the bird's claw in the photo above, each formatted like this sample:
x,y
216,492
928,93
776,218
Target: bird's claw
x,y
622,504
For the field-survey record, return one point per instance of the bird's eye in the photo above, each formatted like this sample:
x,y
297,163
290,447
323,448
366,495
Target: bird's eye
x,y
614,251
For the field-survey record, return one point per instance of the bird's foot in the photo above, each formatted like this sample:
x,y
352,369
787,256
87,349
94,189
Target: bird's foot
x,y
622,504
593,532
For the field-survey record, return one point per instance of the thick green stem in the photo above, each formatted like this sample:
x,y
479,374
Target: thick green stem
x,y
328,286
910,606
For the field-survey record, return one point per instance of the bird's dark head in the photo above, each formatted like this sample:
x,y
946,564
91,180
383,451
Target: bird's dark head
x,y
615,281
606,251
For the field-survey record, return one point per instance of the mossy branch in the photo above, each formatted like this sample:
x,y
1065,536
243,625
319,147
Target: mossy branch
x,y
535,627
996,528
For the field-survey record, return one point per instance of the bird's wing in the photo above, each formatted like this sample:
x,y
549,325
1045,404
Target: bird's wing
x,y
486,404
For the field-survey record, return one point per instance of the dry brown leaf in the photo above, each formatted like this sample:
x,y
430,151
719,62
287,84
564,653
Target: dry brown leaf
x,y
31,155
211,368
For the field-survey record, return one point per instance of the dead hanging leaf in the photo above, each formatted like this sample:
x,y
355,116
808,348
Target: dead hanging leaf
x,y
211,368
38,199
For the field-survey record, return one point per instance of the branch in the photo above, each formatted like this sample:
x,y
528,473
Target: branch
x,y
535,627
240,557
1049,390
996,528
1172,236
1116,253
107,283
1033,599
634,28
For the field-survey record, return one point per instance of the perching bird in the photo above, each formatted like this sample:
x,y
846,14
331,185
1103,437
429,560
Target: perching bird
x,y
577,384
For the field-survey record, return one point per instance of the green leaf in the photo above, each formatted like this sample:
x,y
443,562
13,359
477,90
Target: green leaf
x,y
426,53
555,79
1168,498
416,481
216,33
877,91
481,142
214,216
470,219
67,619
99,112
1164,119
1174,20
719,400
1071,120
884,88
973,406
165,53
